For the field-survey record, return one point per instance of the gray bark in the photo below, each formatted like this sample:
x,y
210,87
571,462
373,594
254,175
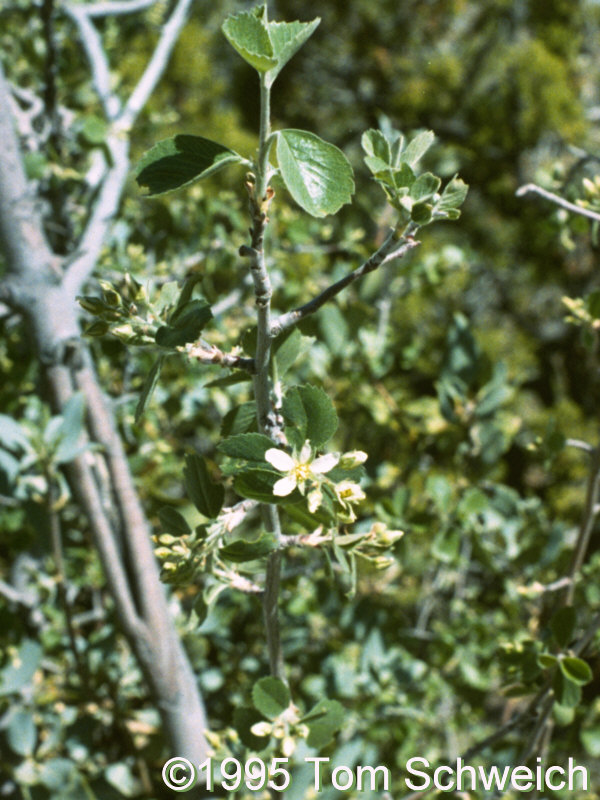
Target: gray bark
x,y
36,285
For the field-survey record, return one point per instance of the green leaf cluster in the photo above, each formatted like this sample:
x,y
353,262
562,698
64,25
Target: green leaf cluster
x,y
392,161
267,46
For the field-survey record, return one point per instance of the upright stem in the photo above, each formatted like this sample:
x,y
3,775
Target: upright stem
x,y
264,143
260,197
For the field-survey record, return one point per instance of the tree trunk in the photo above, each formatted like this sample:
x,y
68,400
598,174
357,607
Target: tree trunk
x,y
36,287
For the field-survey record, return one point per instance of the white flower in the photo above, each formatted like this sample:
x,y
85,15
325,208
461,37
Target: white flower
x,y
299,469
349,492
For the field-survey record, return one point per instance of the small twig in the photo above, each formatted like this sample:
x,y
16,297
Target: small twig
x,y
582,644
395,246
59,564
157,64
211,355
92,43
557,200
539,730
15,596
577,443
114,7
587,524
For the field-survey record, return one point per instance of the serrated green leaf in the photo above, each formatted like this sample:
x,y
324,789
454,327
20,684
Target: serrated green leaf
x,y
180,160
294,412
286,39
311,414
271,697
22,733
230,380
240,419
241,550
249,446
563,624
184,325
205,495
167,297
187,289
380,169
376,145
257,484
425,186
404,178
576,670
322,419
247,33
416,149
243,720
317,174
148,389
173,522
323,720
286,350
452,197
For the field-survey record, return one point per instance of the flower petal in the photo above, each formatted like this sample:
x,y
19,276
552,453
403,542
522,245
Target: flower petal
x,y
315,498
280,460
285,486
305,453
324,463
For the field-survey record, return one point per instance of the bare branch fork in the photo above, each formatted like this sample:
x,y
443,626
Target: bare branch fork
x,y
395,246
557,200
43,287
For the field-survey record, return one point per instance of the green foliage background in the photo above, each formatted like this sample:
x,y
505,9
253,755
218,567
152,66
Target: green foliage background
x,y
454,369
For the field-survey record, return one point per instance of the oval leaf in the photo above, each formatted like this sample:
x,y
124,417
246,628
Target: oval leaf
x,y
247,33
148,389
317,174
22,733
563,625
576,670
243,720
257,484
204,494
416,149
271,697
241,550
322,419
173,522
324,720
178,161
287,38
249,446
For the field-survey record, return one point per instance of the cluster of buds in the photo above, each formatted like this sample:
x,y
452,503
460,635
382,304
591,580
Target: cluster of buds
x,y
117,311
287,729
584,312
181,557
376,542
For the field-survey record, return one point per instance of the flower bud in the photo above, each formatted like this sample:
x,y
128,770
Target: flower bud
x,y
92,304
261,728
352,459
